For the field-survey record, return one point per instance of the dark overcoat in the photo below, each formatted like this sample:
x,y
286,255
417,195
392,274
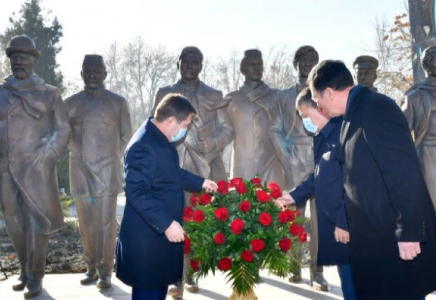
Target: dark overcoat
x,y
325,184
386,200
154,199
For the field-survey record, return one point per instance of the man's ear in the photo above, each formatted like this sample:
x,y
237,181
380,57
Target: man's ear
x,y
105,75
81,74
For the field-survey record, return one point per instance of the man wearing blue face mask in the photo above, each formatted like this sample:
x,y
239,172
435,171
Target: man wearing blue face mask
x,y
150,249
325,184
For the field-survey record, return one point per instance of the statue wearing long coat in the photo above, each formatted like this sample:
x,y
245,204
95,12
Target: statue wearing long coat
x,y
252,110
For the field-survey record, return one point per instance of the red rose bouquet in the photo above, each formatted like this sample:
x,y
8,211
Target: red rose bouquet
x,y
239,230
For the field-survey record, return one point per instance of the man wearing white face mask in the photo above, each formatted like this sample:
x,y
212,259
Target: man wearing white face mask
x,y
325,185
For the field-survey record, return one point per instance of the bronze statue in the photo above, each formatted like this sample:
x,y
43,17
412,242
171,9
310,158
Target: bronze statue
x,y
252,110
200,151
294,148
101,129
365,71
420,110
34,131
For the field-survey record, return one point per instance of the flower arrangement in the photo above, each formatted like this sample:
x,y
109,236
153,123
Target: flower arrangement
x,y
240,230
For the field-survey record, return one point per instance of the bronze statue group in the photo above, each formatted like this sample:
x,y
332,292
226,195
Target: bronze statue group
x,y
371,166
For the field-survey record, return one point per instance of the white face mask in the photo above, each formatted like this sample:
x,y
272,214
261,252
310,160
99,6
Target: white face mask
x,y
307,122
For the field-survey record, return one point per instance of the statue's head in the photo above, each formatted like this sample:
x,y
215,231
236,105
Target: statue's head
x,y
252,65
305,58
365,70
190,63
428,60
93,71
23,56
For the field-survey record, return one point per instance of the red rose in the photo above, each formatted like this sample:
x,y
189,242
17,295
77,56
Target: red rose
x,y
223,187
265,219
303,236
237,226
236,181
297,213
198,216
194,199
245,206
285,244
295,229
194,265
186,245
224,264
275,190
291,214
247,256
222,214
188,213
257,245
256,181
205,199
220,238
262,196
283,217
241,188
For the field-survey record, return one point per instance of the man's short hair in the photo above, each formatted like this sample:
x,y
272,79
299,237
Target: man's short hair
x,y
426,56
303,50
193,50
365,62
174,105
330,74
305,98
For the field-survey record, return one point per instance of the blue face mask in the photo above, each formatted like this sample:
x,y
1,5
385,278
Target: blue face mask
x,y
309,125
179,135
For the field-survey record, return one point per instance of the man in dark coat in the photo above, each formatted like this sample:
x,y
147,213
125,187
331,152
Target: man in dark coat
x,y
391,218
324,186
150,248
101,128
34,131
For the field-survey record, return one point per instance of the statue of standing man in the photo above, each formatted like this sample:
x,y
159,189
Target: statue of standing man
x,y
252,109
101,129
365,71
200,151
420,110
294,147
34,131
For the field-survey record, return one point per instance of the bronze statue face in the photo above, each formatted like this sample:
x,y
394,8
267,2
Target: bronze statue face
x,y
190,66
252,68
365,76
93,75
430,64
305,63
22,64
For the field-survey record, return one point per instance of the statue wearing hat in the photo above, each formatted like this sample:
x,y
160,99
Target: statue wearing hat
x,y
101,129
34,131
252,110
420,110
365,71
294,147
201,149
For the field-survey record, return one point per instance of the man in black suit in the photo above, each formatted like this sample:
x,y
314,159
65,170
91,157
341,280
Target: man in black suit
x,y
390,215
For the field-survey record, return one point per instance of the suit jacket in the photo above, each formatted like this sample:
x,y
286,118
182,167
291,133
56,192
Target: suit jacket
x,y
252,110
325,184
292,143
154,199
34,131
101,128
386,200
211,122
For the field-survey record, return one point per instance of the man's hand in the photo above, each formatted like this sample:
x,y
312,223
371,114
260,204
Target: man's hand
x,y
175,233
409,250
342,236
210,186
206,145
285,199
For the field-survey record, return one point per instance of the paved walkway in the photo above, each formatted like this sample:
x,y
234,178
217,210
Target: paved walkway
x,y
67,287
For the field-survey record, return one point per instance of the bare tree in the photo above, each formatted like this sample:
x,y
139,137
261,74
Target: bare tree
x,y
228,74
279,71
394,52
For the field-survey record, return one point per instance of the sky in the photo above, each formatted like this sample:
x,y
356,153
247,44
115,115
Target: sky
x,y
338,29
